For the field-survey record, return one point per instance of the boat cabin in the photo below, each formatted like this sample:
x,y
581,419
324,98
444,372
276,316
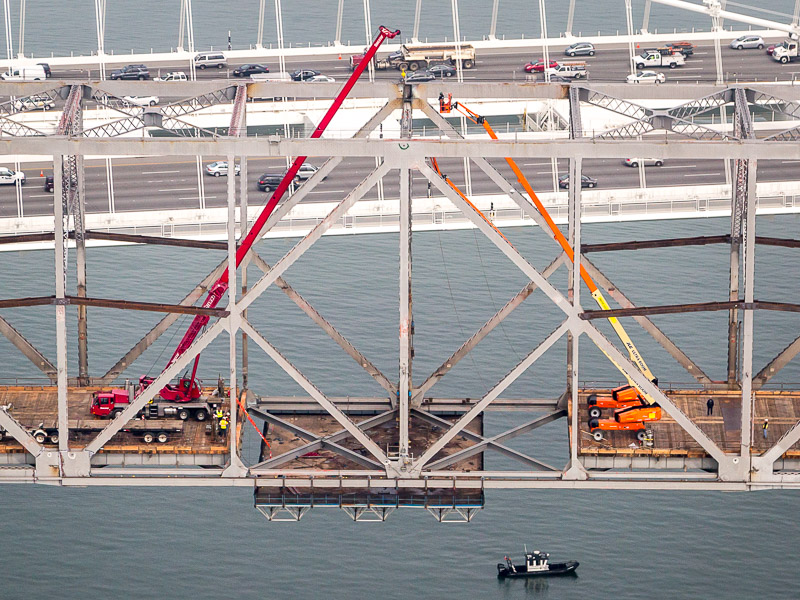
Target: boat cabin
x,y
536,561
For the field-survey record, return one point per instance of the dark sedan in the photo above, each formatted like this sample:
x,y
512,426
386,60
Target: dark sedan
x,y
247,70
586,181
442,71
303,74
420,77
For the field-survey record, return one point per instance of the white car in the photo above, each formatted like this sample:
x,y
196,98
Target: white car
x,y
141,100
220,167
35,102
9,177
647,162
306,171
172,76
646,77
319,78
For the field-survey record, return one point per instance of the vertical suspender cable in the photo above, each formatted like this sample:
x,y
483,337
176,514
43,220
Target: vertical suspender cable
x,y
281,63
9,41
368,30
629,23
493,26
417,13
261,15
190,36
100,24
21,48
549,111
181,29
339,16
460,76
570,16
646,16
110,179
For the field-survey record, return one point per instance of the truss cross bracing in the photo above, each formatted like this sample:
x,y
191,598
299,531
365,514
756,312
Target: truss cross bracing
x,y
404,405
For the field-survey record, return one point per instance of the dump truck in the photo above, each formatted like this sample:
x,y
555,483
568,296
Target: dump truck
x,y
421,56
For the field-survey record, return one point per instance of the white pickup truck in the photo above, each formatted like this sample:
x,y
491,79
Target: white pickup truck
x,y
653,58
570,70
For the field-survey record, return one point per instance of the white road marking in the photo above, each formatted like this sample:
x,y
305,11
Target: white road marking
x,y
198,198
789,161
677,166
328,191
39,196
157,172
191,189
701,174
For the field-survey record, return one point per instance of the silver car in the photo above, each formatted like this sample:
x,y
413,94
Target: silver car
x,y
748,42
647,162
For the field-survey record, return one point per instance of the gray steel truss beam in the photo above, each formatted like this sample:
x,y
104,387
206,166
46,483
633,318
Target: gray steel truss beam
x,y
691,367
315,393
491,442
575,122
487,399
337,437
307,435
328,328
28,350
237,127
19,433
487,328
776,364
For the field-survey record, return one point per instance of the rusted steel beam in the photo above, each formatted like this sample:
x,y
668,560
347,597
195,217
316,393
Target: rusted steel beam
x,y
666,243
26,238
784,242
668,309
108,303
155,240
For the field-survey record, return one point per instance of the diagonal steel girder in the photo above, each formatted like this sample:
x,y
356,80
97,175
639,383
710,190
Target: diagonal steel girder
x,y
495,442
309,240
487,328
28,350
314,392
491,395
563,304
495,175
19,433
279,212
337,437
602,280
772,368
328,328
311,437
203,101
163,379
778,106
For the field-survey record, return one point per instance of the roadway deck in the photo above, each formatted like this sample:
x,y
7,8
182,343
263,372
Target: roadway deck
x,y
31,405
723,426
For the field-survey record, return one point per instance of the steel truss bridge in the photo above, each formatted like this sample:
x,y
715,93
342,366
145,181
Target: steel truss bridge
x,y
665,134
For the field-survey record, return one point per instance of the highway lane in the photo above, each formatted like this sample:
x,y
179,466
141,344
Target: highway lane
x,y
155,183
610,63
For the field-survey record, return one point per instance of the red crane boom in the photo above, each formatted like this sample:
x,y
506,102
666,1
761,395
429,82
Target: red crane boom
x,y
219,288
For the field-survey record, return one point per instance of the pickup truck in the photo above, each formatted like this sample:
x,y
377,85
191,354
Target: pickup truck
x,y
654,58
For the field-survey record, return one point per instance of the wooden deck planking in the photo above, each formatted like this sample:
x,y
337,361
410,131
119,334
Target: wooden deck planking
x,y
782,408
33,405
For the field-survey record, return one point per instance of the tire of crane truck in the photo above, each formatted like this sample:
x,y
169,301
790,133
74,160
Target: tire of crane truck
x,y
641,435
597,435
115,413
148,437
595,412
183,414
162,438
593,423
40,436
200,414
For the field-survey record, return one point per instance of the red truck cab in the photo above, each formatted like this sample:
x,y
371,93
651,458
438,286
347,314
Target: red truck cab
x,y
111,403
187,389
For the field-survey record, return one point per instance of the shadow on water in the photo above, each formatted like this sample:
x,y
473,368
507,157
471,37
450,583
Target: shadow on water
x,y
534,586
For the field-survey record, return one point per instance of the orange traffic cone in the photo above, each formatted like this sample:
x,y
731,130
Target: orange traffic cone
x,y
340,56
41,173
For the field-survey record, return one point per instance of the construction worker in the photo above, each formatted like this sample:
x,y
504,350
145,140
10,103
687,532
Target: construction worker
x,y
223,426
764,427
709,407
218,415
403,74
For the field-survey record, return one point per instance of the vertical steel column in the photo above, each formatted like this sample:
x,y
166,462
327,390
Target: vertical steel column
x,y
575,132
742,128
417,13
339,16
100,23
493,26
234,320
79,208
796,17
751,203
575,173
60,239
21,49
406,318
570,17
646,16
629,24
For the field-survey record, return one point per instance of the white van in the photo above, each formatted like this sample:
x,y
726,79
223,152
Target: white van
x,y
210,59
30,73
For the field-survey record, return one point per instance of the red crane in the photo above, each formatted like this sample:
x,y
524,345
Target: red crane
x,y
219,288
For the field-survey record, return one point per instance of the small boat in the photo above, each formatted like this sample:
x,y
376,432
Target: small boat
x,y
537,564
